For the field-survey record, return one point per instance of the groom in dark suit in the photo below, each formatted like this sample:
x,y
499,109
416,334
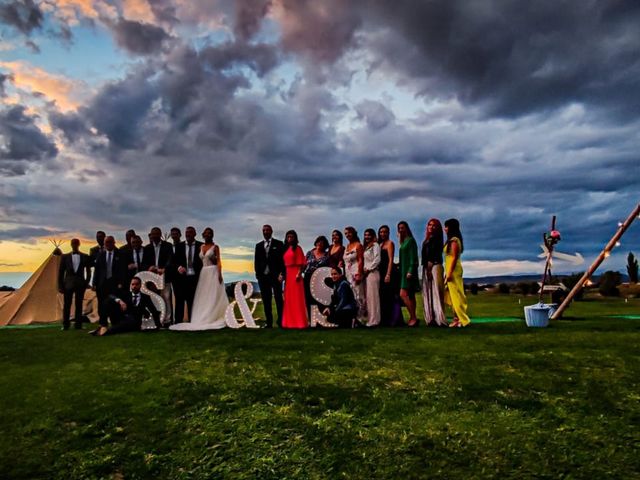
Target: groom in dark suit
x,y
268,264
186,265
73,279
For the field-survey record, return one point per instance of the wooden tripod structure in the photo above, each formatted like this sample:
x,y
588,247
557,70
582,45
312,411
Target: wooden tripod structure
x,y
603,254
547,266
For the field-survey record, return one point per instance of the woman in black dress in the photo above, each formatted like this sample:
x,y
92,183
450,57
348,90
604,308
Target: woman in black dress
x,y
388,278
336,252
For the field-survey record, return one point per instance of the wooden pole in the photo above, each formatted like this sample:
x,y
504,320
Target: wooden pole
x,y
603,254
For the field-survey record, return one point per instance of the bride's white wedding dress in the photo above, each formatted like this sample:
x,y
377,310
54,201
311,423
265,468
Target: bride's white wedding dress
x,y
210,302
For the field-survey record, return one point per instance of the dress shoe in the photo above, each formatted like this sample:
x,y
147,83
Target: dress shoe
x,y
65,327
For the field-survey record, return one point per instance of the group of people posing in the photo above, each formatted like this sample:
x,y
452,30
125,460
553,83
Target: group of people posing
x,y
368,288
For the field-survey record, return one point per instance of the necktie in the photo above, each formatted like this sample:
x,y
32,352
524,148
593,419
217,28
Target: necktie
x,y
138,259
267,243
157,248
136,299
109,266
190,257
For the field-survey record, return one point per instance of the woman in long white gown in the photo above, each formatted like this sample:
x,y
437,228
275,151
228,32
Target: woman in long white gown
x,y
210,302
353,259
433,275
372,277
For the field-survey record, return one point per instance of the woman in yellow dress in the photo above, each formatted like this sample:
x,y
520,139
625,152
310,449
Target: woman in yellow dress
x,y
454,285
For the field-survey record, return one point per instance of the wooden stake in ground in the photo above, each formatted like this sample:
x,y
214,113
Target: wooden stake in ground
x,y
603,254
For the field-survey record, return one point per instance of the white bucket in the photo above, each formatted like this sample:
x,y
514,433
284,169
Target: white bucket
x,y
538,315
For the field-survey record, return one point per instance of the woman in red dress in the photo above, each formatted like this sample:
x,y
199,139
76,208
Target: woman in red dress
x,y
294,310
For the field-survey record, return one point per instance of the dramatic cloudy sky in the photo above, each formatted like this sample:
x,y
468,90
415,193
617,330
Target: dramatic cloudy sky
x,y
319,114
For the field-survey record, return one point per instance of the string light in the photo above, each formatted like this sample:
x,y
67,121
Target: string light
x,y
321,292
618,244
620,224
240,300
607,254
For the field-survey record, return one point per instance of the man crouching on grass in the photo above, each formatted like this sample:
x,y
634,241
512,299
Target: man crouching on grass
x,y
129,310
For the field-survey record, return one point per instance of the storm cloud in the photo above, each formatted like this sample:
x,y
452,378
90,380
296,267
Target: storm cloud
x,y
315,115
21,141
23,15
138,38
4,79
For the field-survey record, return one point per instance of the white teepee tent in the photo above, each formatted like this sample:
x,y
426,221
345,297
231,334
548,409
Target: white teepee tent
x,y
38,300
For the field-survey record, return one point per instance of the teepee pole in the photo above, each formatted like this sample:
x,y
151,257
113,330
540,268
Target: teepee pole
x,y
603,254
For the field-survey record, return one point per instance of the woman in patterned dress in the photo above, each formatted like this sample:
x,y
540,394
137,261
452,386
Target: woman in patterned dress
x,y
316,257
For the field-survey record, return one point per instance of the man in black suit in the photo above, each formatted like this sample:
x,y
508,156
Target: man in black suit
x,y
135,258
73,278
159,254
186,265
128,309
175,235
109,277
269,266
127,247
95,250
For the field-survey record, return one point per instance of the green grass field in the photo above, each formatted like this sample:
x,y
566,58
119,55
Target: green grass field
x,y
496,400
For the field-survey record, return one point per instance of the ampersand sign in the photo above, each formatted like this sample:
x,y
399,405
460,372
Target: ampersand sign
x,y
246,313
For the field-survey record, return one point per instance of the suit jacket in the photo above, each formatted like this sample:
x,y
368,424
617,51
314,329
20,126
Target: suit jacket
x,y
128,257
125,249
180,259
171,271
164,259
137,312
342,298
118,269
274,261
93,253
70,279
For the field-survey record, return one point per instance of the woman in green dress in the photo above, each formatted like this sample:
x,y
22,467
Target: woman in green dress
x,y
409,284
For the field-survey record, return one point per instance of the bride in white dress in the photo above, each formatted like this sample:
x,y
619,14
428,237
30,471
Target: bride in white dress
x,y
210,302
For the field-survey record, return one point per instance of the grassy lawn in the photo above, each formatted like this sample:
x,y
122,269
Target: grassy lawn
x,y
496,400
